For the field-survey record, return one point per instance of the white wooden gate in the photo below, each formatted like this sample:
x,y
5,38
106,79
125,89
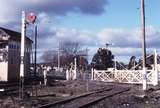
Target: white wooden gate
x,y
125,76
129,76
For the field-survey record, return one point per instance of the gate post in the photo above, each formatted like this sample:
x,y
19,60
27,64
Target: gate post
x,y
45,76
115,63
75,69
155,74
92,74
144,79
67,75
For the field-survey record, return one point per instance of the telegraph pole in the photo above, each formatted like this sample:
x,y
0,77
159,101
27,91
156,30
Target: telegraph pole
x,y
143,44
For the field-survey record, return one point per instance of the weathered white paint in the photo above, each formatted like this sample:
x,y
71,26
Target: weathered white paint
x,y
71,74
45,77
3,71
155,68
22,45
75,69
144,78
124,76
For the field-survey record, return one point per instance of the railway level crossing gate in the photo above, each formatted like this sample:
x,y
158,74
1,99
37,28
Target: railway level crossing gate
x,y
128,76
125,76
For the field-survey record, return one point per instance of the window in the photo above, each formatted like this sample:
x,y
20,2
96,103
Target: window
x,y
2,45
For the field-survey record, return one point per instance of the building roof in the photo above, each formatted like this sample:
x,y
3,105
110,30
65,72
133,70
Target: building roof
x,y
14,35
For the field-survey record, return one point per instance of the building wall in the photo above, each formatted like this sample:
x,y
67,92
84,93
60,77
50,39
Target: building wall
x,y
14,61
28,52
10,55
3,62
3,71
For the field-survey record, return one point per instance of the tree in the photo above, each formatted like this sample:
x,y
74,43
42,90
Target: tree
x,y
68,51
50,56
132,62
69,47
102,59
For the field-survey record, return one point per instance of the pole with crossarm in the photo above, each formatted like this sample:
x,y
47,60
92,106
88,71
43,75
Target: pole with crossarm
x,y
31,18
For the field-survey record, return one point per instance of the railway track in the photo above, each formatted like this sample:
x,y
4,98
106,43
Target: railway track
x,y
8,84
86,100
11,88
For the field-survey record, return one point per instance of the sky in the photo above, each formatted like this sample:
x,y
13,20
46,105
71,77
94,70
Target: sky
x,y
93,23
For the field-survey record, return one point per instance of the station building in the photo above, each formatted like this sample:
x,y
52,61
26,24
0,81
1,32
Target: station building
x,y
10,42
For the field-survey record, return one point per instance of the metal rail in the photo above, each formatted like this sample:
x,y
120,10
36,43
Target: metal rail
x,y
98,96
73,98
98,99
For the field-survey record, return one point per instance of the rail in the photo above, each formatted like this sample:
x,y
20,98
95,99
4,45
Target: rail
x,y
87,99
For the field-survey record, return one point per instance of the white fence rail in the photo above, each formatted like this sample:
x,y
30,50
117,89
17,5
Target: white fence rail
x,y
125,76
130,76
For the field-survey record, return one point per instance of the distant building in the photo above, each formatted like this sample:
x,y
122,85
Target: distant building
x,y
10,42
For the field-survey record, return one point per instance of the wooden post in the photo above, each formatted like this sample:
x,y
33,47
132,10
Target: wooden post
x,y
155,78
67,75
45,76
75,68
115,64
92,74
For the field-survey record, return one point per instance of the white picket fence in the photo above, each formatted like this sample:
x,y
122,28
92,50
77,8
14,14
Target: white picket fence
x,y
129,76
71,74
125,76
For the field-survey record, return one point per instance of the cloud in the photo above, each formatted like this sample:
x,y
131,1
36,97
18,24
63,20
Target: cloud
x,y
126,42
11,9
120,37
152,37
62,7
55,35
118,51
50,40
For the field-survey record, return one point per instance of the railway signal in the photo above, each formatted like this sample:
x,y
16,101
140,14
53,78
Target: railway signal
x,y
30,18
